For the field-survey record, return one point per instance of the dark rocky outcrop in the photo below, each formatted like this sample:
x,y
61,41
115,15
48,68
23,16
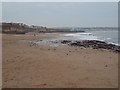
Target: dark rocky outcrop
x,y
66,41
94,44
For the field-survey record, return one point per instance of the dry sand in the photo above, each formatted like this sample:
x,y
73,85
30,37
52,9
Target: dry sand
x,y
0,61
60,67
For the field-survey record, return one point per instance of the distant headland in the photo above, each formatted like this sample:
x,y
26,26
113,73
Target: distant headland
x,y
21,28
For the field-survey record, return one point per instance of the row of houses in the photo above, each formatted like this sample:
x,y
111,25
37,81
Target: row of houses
x,y
20,28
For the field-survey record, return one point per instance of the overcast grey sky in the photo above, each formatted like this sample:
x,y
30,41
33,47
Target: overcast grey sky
x,y
62,14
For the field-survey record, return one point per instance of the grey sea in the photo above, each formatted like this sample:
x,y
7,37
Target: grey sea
x,y
109,36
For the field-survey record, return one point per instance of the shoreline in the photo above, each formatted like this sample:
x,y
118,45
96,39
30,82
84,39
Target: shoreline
x,y
92,44
56,67
84,44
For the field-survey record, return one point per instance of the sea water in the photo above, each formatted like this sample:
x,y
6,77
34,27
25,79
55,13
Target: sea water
x,y
109,36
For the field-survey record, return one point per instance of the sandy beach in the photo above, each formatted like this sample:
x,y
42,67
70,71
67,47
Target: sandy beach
x,y
26,66
0,61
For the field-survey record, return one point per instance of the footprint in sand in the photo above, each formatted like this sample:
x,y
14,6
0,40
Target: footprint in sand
x,y
106,65
54,49
69,51
41,84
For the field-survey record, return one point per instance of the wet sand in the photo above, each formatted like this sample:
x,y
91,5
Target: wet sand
x,y
26,66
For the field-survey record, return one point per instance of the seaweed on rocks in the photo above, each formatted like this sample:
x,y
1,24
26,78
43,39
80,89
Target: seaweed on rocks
x,y
65,41
94,44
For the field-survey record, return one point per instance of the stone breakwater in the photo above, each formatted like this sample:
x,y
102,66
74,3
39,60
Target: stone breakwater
x,y
94,44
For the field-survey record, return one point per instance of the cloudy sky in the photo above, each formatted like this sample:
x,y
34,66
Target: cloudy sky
x,y
61,14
